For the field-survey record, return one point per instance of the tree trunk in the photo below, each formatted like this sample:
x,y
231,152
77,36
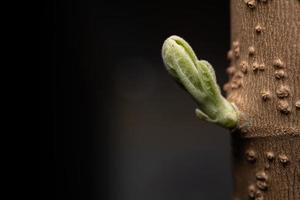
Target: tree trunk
x,y
265,86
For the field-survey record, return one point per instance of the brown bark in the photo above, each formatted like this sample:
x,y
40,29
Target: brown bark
x,y
265,86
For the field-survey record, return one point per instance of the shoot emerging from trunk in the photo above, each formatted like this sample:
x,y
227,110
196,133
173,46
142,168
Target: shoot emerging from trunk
x,y
199,80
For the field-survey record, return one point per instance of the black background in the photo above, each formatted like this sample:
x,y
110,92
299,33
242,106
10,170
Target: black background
x,y
113,123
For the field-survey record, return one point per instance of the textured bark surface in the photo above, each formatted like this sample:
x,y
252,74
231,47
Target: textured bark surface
x,y
265,85
266,168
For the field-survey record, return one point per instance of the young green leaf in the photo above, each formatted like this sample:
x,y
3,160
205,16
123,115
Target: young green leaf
x,y
199,79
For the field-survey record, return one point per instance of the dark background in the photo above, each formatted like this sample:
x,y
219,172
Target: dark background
x,y
114,125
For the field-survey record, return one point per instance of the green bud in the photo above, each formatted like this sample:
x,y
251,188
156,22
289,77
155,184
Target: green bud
x,y
199,79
